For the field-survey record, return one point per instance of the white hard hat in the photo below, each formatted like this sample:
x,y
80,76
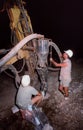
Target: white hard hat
x,y
69,53
25,80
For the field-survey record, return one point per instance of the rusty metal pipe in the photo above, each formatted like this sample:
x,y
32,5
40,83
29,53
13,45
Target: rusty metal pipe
x,y
15,49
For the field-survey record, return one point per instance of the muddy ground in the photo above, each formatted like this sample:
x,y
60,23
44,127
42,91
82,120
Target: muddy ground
x,y
62,114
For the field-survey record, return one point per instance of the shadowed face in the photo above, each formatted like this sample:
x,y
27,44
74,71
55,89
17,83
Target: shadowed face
x,y
65,56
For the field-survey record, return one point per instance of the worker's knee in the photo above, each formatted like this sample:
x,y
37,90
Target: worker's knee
x,y
40,97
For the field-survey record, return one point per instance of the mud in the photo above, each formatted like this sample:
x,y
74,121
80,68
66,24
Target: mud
x,y
62,114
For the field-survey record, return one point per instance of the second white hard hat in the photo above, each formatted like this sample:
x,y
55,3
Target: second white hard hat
x,y
25,80
69,53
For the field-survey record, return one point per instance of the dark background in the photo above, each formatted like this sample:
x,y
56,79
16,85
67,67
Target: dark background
x,y
59,20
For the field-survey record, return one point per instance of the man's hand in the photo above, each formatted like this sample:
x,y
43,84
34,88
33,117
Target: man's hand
x,y
51,60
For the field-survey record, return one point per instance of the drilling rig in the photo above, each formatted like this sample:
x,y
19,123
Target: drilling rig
x,y
30,48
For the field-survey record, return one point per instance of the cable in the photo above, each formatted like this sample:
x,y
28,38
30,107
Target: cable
x,y
22,66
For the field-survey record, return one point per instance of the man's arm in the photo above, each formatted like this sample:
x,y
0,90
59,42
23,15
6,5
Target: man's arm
x,y
58,64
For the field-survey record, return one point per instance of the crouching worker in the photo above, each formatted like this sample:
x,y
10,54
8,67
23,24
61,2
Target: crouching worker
x,y
24,98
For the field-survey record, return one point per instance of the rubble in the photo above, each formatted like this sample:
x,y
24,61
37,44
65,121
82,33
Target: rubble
x,y
62,114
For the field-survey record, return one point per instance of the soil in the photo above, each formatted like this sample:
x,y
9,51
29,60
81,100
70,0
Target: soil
x,y
62,114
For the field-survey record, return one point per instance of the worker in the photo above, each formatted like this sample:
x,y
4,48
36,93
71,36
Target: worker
x,y
65,72
24,98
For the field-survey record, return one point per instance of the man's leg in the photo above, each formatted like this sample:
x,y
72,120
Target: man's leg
x,y
66,91
61,89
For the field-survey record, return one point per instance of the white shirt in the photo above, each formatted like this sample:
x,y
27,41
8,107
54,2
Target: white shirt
x,y
65,73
